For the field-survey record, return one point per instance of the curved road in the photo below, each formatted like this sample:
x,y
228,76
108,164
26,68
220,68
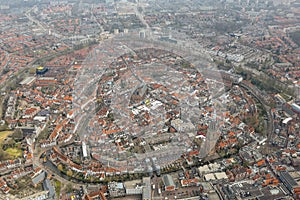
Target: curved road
x,y
255,92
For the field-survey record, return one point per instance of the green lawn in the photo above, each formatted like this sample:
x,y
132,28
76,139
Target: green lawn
x,y
10,153
14,152
57,185
4,135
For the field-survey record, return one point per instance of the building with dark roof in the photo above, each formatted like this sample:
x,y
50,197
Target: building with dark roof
x,y
39,178
288,180
147,188
47,186
44,113
41,70
27,131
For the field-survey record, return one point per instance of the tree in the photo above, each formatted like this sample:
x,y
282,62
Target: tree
x,y
60,167
3,155
44,134
69,173
17,134
69,188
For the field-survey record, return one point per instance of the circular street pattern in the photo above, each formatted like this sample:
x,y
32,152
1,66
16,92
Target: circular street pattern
x,y
138,102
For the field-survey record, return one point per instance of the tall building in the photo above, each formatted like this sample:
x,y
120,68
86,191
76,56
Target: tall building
x,y
211,138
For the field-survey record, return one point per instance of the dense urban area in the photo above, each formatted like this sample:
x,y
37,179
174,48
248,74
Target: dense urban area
x,y
149,99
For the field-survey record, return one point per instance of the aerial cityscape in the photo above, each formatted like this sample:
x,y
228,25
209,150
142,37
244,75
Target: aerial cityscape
x,y
149,99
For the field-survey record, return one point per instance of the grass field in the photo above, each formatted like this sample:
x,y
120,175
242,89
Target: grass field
x,y
14,152
4,135
10,153
57,186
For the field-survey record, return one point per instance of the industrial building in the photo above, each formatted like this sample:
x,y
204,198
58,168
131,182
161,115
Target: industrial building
x,y
169,183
